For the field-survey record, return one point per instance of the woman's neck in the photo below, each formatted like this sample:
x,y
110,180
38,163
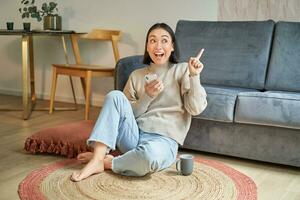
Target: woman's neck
x,y
159,68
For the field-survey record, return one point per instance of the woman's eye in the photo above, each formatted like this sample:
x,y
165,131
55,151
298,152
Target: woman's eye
x,y
164,41
152,41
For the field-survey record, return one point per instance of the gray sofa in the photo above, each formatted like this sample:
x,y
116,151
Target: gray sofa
x,y
252,78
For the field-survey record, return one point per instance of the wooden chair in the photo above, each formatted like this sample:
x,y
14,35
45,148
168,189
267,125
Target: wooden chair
x,y
84,71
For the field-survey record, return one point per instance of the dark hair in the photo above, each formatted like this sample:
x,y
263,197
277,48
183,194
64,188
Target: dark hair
x,y
174,55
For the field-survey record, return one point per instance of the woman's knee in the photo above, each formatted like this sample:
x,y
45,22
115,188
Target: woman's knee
x,y
115,95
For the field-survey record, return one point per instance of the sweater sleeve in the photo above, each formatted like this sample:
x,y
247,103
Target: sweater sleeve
x,y
194,95
139,104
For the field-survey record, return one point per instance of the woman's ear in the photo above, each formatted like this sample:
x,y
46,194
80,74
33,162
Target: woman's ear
x,y
172,47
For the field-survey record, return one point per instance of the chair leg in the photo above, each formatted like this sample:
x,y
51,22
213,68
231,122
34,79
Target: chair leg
x,y
73,92
88,94
53,89
83,84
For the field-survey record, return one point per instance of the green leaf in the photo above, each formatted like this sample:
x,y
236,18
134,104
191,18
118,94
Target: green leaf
x,y
52,5
27,14
23,15
22,1
20,10
32,9
39,19
35,15
32,2
25,9
26,2
44,6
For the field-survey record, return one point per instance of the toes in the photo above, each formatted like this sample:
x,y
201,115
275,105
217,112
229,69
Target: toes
x,y
82,160
85,157
75,177
93,167
108,156
80,156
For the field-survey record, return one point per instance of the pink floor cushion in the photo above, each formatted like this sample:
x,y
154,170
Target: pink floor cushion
x,y
68,139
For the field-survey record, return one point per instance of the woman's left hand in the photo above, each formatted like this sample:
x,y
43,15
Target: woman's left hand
x,y
195,66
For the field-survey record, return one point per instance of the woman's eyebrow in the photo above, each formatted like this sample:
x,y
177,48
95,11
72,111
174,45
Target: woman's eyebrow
x,y
161,36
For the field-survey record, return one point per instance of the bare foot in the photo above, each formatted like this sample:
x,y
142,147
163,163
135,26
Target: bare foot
x,y
85,157
95,166
107,161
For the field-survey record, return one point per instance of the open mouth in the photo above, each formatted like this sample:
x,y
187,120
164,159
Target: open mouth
x,y
159,55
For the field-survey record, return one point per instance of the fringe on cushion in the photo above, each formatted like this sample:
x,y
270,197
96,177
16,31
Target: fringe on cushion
x,y
51,147
64,149
43,147
61,148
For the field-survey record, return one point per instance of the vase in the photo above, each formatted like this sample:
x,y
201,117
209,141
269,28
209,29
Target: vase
x,y
52,22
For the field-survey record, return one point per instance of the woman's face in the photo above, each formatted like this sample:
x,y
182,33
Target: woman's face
x,y
159,46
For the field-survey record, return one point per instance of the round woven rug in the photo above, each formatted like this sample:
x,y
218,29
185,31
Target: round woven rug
x,y
210,180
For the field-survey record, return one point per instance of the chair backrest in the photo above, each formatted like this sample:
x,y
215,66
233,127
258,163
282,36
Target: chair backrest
x,y
236,53
97,34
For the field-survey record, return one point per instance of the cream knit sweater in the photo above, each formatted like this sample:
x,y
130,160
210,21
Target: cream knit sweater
x,y
169,113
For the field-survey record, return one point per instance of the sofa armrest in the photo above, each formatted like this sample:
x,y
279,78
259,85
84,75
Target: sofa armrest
x,y
124,67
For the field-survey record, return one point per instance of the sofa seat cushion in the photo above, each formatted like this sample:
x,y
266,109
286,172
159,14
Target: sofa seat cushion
x,y
221,103
272,108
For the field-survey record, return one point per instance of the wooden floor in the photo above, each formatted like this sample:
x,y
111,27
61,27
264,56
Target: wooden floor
x,y
273,181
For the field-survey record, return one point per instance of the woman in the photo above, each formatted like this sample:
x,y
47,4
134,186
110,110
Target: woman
x,y
149,119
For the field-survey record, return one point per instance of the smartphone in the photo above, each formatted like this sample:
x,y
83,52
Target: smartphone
x,y
150,77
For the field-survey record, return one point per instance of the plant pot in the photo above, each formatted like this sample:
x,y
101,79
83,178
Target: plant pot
x,y
10,26
26,26
52,22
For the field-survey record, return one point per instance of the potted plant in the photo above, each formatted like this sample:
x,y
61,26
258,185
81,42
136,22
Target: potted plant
x,y
48,12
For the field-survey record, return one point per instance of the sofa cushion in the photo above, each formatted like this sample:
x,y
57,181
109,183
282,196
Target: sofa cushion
x,y
284,69
236,53
271,108
123,69
220,103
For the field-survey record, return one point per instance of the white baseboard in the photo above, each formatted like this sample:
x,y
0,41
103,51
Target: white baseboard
x,y
97,99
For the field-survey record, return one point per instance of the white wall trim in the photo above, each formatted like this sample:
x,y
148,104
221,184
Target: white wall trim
x,y
97,100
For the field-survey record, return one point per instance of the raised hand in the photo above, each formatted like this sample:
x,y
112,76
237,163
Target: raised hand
x,y
195,66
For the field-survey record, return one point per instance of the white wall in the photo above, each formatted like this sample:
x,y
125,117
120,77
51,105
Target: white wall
x,y
133,17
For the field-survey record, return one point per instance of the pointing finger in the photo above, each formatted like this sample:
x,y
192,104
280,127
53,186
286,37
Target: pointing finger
x,y
200,54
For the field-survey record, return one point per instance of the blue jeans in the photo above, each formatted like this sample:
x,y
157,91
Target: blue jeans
x,y
142,152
